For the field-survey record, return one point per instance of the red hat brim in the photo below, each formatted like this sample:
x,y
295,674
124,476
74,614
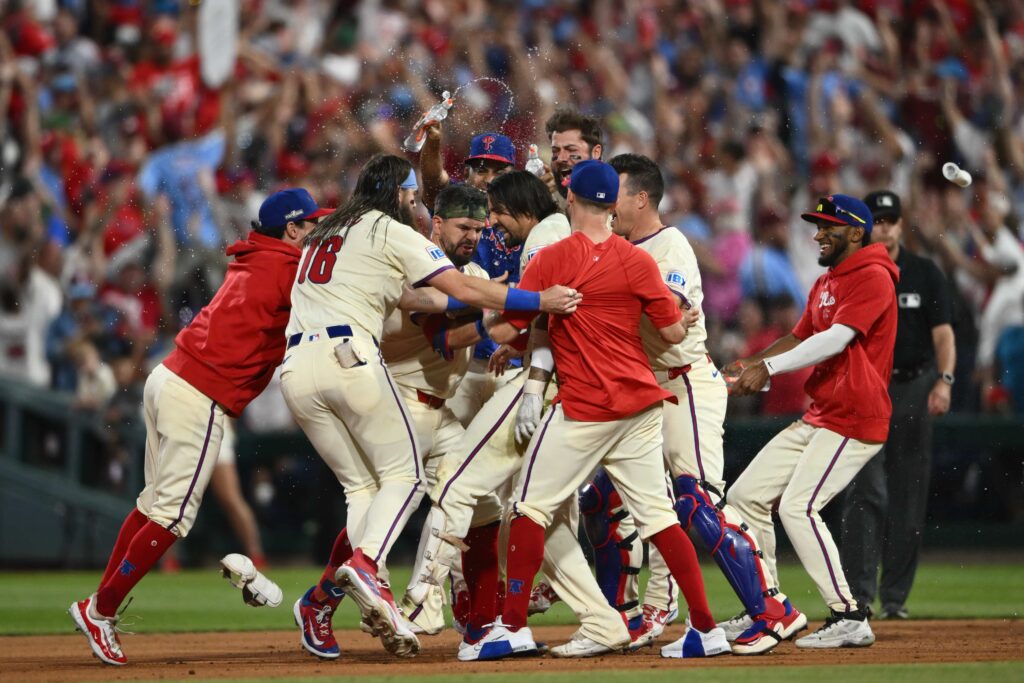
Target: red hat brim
x,y
814,217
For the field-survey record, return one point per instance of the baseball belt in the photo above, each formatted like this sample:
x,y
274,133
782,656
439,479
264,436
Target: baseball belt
x,y
428,400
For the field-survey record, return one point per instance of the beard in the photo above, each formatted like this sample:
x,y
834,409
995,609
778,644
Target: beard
x,y
829,260
407,215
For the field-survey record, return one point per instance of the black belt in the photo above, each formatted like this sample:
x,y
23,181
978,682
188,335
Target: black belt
x,y
333,332
908,374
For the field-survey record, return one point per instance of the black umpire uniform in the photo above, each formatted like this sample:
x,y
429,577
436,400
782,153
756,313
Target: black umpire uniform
x,y
885,506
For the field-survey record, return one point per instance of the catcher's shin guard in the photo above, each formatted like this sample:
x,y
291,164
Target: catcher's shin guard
x,y
730,545
617,555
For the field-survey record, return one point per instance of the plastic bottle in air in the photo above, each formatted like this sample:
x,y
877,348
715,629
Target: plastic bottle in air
x,y
533,164
437,113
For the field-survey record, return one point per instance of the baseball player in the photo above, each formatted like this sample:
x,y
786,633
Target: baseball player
x,y
223,360
607,411
847,333
574,137
355,267
427,359
466,508
693,427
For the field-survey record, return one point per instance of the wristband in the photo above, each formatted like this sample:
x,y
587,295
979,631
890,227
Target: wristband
x,y
455,305
522,300
481,329
535,387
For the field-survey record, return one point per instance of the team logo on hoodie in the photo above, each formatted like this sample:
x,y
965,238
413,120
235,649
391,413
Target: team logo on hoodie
x,y
826,300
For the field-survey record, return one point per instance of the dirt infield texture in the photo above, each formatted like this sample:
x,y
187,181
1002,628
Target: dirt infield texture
x,y
277,654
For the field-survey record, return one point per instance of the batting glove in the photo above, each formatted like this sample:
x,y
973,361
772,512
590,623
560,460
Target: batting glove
x,y
528,416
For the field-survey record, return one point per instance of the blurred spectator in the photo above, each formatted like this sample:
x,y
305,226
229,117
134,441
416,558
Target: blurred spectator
x,y
766,272
120,166
95,382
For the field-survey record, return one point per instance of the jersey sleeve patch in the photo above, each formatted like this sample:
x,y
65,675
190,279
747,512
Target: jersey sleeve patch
x,y
533,252
675,278
435,252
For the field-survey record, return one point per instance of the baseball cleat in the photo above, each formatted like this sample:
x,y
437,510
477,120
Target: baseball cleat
x,y
358,578
427,617
890,613
658,619
581,646
257,589
641,637
841,629
498,642
736,626
542,597
314,622
766,632
697,644
100,631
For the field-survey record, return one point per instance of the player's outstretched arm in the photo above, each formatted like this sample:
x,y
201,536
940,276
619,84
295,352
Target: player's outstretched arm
x,y
811,351
482,293
432,173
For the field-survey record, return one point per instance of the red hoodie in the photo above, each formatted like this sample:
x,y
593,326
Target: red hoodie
x,y
232,347
849,392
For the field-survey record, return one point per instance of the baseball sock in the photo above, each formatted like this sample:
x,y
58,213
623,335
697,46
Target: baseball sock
x,y
480,567
525,555
145,550
131,525
326,589
678,553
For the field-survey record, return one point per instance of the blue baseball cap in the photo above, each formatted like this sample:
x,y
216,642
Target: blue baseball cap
x,y
841,209
493,146
595,180
293,204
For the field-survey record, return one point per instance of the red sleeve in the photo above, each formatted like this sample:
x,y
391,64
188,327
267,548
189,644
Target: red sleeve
x,y
534,278
660,304
860,307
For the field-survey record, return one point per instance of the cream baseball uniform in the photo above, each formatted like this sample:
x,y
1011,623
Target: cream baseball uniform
x,y
426,382
693,427
184,429
335,380
488,459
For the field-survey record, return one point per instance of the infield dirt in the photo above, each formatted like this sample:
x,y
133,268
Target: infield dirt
x,y
274,654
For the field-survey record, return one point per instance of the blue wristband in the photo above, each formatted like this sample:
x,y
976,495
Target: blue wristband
x,y
481,329
455,305
522,300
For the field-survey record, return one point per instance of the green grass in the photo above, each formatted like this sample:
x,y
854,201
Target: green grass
x,y
865,673
199,600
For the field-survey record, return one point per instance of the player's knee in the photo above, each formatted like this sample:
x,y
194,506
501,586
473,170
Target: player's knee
x,y
793,509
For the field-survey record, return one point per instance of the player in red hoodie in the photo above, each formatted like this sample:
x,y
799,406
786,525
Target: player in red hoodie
x,y
223,360
847,333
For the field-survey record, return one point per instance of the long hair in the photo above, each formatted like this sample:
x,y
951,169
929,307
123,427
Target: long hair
x,y
376,189
520,193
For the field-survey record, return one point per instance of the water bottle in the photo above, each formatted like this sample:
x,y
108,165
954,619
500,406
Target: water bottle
x,y
439,112
533,164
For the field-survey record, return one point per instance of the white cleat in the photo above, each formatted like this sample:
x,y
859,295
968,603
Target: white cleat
x,y
581,646
498,643
736,626
697,644
840,630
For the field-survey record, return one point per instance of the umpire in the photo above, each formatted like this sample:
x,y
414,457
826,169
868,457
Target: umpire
x,y
884,513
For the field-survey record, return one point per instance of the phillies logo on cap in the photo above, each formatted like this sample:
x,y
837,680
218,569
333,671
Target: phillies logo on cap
x,y
488,142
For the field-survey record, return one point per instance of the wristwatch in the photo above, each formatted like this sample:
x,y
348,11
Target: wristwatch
x,y
947,378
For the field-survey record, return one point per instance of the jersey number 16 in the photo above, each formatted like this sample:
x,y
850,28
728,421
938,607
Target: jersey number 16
x,y
318,266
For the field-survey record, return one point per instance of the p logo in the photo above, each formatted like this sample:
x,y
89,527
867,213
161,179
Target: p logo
x,y
515,586
126,567
488,142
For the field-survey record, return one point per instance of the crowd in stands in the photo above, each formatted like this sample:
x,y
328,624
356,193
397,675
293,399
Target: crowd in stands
x,y
123,175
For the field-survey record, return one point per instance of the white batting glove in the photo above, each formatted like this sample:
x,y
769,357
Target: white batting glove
x,y
528,416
